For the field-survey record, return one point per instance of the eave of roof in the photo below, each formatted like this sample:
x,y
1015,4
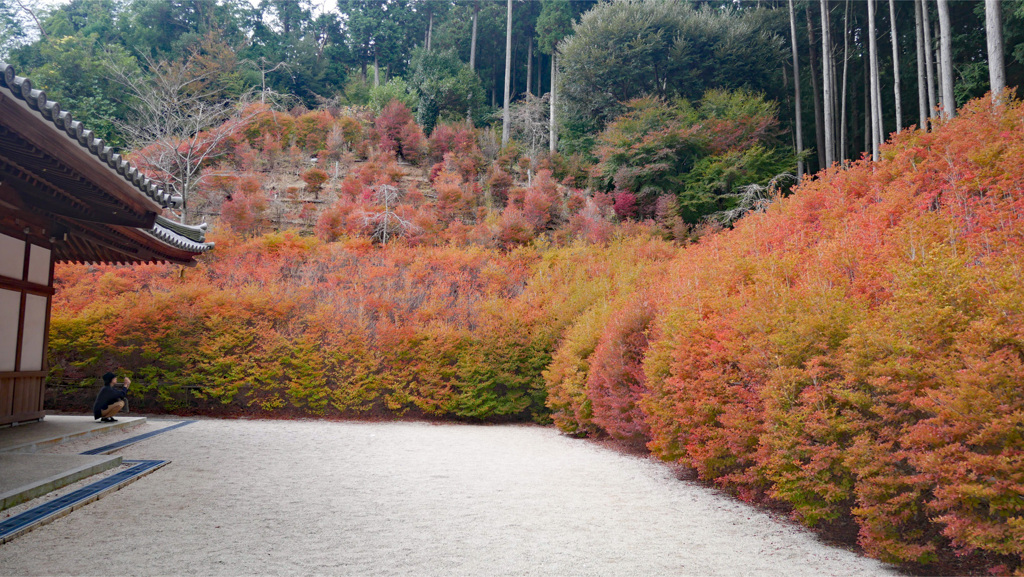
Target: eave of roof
x,y
42,123
117,175
182,236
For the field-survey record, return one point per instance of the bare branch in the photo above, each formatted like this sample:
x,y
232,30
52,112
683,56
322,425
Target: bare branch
x,y
529,119
178,123
752,198
386,223
31,11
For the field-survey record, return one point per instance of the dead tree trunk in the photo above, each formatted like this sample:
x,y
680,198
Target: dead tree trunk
x,y
505,116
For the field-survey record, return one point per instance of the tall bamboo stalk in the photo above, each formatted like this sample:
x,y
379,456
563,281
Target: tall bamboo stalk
x,y
826,70
843,151
472,41
529,65
819,125
506,116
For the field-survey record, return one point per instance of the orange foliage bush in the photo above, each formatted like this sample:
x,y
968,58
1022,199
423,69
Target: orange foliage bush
x,y
286,323
314,179
312,130
849,350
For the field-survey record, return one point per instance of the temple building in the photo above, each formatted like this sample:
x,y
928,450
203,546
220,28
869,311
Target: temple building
x,y
65,196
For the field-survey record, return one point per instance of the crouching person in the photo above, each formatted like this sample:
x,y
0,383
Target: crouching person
x,y
111,399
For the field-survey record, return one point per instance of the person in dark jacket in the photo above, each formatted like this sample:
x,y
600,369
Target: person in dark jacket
x,y
111,398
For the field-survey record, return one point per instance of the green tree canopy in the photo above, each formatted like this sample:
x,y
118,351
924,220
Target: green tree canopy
x,y
445,85
629,48
702,154
553,24
72,70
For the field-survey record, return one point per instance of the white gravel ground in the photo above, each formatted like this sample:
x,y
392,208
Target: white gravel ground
x,y
310,497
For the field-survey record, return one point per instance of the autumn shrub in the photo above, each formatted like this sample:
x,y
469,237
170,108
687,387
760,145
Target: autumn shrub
x,y
397,132
269,126
245,211
577,288
499,374
312,130
514,228
499,183
615,382
314,179
456,198
453,138
344,218
566,377
590,224
542,205
347,135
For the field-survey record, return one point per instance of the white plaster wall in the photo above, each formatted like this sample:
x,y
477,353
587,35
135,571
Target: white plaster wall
x,y
10,302
35,333
12,257
39,265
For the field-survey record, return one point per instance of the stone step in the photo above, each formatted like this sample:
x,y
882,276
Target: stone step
x,y
27,475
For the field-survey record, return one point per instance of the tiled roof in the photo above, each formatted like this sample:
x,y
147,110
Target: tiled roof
x,y
50,110
185,237
180,236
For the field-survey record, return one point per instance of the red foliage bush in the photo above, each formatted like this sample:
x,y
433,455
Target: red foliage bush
x,y
616,381
456,199
625,205
500,183
244,212
341,219
314,179
515,227
541,203
398,133
457,139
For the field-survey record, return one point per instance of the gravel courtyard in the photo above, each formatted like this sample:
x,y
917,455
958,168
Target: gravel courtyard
x,y
310,497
